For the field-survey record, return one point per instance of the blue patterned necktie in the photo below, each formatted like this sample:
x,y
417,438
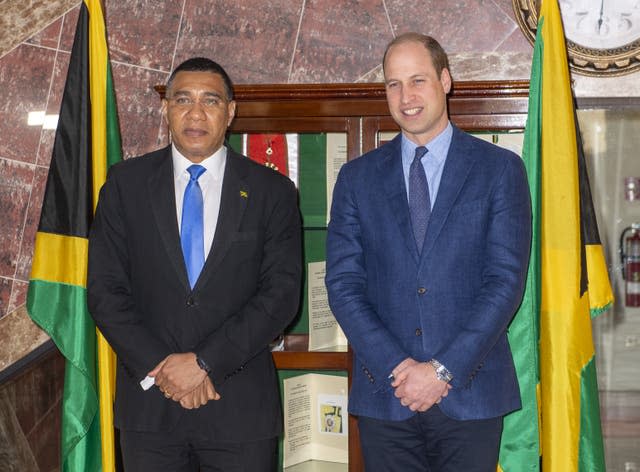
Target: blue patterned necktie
x,y
419,201
192,225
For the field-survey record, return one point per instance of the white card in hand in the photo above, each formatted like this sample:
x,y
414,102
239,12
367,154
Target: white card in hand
x,y
147,383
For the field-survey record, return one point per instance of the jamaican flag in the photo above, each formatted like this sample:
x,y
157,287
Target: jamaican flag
x,y
570,277
87,142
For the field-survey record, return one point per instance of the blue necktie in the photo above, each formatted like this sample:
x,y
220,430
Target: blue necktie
x,y
419,201
192,226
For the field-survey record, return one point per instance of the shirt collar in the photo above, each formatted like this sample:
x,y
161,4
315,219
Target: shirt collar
x,y
438,146
214,164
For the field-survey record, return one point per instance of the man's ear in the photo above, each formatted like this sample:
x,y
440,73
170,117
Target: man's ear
x,y
163,110
231,111
445,80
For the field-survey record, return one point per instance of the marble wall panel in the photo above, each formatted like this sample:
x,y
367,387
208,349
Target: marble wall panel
x,y
340,41
138,108
47,136
18,336
31,220
253,40
456,26
48,37
623,86
69,23
16,180
516,42
18,296
501,66
5,295
20,20
25,77
143,32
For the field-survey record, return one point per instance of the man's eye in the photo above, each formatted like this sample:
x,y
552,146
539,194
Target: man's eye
x,y
210,102
183,101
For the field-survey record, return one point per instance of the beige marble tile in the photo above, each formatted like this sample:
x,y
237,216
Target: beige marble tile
x,y
18,337
253,40
621,86
138,108
340,41
16,179
25,76
20,19
460,26
140,33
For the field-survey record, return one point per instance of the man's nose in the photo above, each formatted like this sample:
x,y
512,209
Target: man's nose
x,y
406,94
196,110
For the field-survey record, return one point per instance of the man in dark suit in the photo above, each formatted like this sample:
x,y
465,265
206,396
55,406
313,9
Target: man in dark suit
x,y
194,267
427,254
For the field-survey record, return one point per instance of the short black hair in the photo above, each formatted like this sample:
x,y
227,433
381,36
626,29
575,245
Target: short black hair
x,y
203,64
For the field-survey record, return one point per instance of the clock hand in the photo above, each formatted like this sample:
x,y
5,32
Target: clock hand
x,y
601,14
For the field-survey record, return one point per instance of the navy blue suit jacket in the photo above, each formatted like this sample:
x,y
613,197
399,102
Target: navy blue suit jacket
x,y
451,302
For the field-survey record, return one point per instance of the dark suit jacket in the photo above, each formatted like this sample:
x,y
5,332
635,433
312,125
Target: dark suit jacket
x,y
454,300
247,293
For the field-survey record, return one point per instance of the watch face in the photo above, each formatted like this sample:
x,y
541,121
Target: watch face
x,y
603,36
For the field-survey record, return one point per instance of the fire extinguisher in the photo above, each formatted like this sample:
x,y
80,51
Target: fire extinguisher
x,y
630,259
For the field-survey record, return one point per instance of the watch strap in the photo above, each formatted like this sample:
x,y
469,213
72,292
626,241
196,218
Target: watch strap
x,y
203,365
441,371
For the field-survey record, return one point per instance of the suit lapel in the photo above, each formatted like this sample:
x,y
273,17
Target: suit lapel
x,y
455,173
233,201
161,190
392,175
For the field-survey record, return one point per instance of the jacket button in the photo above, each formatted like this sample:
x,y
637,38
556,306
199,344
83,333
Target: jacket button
x,y
418,332
190,302
422,291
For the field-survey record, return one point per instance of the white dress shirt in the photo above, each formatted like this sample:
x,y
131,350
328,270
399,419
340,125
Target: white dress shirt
x,y
211,185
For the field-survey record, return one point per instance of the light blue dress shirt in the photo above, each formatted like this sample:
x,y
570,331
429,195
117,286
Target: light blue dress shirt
x,y
433,162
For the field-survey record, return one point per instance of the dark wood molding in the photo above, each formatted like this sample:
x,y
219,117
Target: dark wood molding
x,y
366,91
485,105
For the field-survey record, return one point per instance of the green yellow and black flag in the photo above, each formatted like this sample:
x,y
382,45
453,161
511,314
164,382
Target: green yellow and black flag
x,y
569,283
87,142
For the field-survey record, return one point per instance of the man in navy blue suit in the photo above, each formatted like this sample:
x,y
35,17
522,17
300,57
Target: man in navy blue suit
x,y
427,254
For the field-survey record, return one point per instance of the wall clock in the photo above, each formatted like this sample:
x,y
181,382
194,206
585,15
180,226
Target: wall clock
x,y
603,36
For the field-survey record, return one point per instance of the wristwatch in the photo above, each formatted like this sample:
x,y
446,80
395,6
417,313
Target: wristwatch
x,y
441,371
203,365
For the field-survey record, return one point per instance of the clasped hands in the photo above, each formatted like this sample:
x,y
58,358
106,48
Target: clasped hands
x,y
417,386
180,379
